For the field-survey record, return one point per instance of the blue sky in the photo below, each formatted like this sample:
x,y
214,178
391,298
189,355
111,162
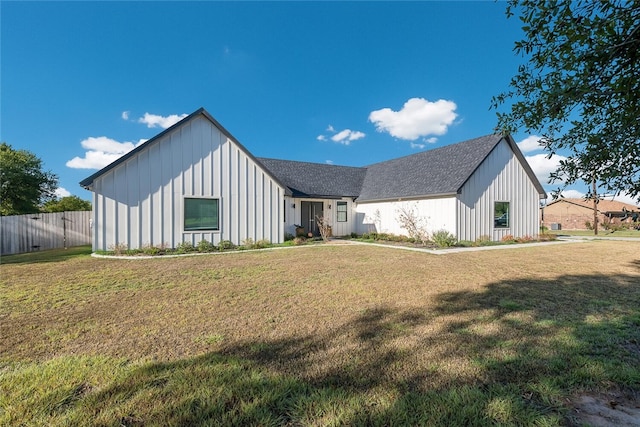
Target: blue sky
x,y
343,83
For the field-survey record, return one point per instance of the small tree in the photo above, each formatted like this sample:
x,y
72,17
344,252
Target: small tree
x,y
415,225
65,204
324,226
24,186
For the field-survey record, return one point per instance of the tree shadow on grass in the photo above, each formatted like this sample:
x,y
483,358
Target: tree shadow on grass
x,y
508,354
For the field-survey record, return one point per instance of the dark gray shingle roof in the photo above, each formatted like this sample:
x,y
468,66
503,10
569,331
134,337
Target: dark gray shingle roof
x,y
435,172
316,179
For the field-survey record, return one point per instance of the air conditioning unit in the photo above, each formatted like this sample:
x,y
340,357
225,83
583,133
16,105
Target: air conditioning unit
x,y
556,226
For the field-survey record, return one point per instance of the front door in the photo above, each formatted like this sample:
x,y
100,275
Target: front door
x,y
311,210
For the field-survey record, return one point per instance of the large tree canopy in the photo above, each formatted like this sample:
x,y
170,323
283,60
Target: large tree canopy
x,y
68,203
24,186
580,88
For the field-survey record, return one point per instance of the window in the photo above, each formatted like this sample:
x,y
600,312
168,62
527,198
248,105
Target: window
x,y
342,212
201,214
501,215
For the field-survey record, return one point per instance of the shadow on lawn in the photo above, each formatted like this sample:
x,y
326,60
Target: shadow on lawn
x,y
507,354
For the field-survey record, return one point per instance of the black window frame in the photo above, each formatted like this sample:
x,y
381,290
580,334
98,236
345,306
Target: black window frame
x,y
502,214
339,212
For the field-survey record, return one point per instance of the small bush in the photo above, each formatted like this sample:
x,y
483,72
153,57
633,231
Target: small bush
x,y
119,248
443,238
508,238
544,228
150,250
525,239
354,235
226,245
262,244
206,246
547,237
288,236
588,225
299,241
185,248
483,240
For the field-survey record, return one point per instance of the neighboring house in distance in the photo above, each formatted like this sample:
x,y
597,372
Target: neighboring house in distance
x,y
194,181
575,214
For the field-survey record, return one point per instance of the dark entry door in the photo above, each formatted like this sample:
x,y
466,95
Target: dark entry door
x,y
311,210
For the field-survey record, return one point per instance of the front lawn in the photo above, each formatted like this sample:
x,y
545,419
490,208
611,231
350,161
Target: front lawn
x,y
319,335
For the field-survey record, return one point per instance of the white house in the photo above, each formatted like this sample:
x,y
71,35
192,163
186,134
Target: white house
x,y
195,181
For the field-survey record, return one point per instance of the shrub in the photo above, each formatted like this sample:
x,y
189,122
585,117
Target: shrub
x,y
547,237
354,235
483,240
443,238
508,238
148,249
525,239
588,225
206,246
288,236
261,244
226,245
299,241
185,247
119,248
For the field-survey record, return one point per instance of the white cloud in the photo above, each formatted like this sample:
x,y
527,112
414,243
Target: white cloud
x,y
346,136
431,140
330,129
329,162
321,138
62,192
529,144
153,120
125,115
542,166
417,118
418,146
100,152
625,198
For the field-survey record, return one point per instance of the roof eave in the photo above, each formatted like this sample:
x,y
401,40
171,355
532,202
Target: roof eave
x,y
409,198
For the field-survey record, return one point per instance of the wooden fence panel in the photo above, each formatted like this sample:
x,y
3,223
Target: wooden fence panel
x,y
36,232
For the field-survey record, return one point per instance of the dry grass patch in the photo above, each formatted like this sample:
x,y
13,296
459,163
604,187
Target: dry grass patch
x,y
321,335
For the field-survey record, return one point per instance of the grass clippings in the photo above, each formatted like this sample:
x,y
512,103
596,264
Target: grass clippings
x,y
322,335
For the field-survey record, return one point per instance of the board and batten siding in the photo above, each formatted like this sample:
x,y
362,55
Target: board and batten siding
x,y
141,201
436,213
499,178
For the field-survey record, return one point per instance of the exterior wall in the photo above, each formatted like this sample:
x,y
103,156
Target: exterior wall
x,y
293,215
500,178
141,201
382,217
569,216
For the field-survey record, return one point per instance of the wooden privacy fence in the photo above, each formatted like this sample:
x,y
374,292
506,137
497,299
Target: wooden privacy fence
x,y
37,232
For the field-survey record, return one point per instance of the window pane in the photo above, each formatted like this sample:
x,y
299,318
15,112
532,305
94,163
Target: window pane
x,y
501,215
342,212
200,214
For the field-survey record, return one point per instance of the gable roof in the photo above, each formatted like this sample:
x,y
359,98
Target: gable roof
x,y
603,205
438,172
88,182
442,171
306,179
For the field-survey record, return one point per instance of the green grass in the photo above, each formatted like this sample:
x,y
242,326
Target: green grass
x,y
318,335
55,255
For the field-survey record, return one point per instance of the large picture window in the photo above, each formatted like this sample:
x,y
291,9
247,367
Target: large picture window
x,y
501,215
342,212
201,214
